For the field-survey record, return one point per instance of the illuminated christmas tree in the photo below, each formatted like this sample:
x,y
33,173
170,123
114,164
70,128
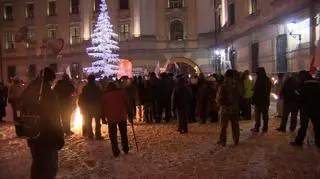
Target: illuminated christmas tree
x,y
105,47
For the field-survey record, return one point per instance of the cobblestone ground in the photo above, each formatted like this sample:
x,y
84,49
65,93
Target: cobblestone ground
x,y
166,154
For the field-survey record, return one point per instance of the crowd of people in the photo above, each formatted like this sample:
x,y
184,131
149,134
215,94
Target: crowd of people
x,y
156,99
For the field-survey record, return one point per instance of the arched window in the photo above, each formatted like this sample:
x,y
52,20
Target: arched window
x,y
176,30
175,3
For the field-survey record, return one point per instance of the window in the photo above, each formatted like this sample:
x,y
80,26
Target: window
x,y
51,8
253,6
124,32
7,12
75,35
218,19
254,56
8,40
74,6
176,3
281,50
75,70
52,33
32,71
124,4
31,36
54,67
96,5
176,30
232,14
29,10
11,72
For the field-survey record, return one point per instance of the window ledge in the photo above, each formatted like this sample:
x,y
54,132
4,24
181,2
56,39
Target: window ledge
x,y
175,9
254,15
228,27
276,2
9,50
76,44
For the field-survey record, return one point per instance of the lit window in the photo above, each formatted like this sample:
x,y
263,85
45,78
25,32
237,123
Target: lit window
x,y
124,32
75,35
176,3
176,30
253,6
52,33
8,40
74,6
29,10
75,70
31,36
124,4
52,8
96,5
7,12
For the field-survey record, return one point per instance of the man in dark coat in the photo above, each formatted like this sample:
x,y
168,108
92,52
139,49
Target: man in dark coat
x,y
44,149
290,103
182,97
164,98
89,103
309,98
261,99
194,89
64,90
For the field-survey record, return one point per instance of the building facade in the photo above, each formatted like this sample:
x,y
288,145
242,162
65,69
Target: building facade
x,y
150,32
275,34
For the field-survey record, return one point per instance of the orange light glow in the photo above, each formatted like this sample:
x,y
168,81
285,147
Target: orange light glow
x,y
125,68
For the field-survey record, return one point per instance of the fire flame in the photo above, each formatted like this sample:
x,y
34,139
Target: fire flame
x,y
77,120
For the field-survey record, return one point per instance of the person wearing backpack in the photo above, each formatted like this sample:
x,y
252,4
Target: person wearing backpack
x,y
64,89
45,146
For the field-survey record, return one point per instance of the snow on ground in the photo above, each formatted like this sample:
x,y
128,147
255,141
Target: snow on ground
x,y
164,153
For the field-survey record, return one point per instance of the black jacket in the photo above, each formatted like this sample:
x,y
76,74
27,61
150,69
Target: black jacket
x,y
64,90
182,97
261,92
90,99
310,97
51,134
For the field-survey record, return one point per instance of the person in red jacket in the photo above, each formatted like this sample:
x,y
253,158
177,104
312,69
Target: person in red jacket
x,y
116,109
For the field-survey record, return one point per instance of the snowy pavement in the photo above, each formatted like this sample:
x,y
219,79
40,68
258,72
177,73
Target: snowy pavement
x,y
164,153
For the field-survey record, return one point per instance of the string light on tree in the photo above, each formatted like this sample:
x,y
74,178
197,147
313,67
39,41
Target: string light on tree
x,y
104,47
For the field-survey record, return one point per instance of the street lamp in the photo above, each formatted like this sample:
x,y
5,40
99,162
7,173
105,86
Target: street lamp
x,y
292,29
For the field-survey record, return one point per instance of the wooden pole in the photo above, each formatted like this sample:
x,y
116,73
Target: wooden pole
x,y
1,59
313,24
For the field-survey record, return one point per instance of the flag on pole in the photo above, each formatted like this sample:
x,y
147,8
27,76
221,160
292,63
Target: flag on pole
x,y
315,60
166,65
157,69
68,72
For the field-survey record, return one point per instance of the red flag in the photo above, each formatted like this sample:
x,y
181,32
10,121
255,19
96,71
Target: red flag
x,y
317,58
312,68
